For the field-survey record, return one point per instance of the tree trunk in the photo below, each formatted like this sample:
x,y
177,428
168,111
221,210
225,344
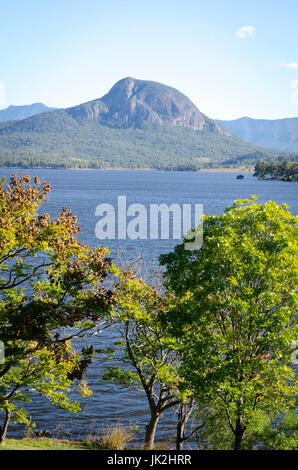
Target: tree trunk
x,y
150,431
180,436
184,413
239,431
3,430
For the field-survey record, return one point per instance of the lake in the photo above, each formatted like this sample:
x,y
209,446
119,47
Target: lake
x,y
82,191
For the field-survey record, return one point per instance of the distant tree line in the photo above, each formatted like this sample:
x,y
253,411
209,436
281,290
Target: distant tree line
x,y
60,141
286,171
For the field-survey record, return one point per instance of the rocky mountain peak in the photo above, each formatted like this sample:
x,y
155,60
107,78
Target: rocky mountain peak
x,y
132,102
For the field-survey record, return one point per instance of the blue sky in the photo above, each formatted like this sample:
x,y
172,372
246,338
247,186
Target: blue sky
x,y
67,52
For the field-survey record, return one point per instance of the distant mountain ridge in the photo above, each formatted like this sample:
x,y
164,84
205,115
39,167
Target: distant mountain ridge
x,y
278,134
16,113
137,124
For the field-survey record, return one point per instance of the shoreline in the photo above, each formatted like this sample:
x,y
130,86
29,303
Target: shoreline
x,y
206,170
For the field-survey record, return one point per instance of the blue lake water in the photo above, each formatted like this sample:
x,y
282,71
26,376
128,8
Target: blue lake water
x,y
81,191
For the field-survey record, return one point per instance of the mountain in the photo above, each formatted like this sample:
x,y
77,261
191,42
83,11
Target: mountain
x,y
5,124
132,103
278,134
15,113
137,124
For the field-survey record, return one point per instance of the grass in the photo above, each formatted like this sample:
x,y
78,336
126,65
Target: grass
x,y
114,438
44,443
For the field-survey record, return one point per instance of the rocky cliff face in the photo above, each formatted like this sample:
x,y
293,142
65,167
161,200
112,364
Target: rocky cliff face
x,y
134,101
131,103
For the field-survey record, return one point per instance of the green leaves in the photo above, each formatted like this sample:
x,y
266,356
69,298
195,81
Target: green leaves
x,y
235,306
42,372
48,282
122,377
144,352
287,171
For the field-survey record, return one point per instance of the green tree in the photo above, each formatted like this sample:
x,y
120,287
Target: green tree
x,y
148,354
265,430
261,170
236,305
48,281
45,372
287,171
273,433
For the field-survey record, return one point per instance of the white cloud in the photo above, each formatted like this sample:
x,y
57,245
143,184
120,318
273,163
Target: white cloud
x,y
290,65
245,32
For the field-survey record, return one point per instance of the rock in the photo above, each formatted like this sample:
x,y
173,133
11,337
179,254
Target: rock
x,y
133,103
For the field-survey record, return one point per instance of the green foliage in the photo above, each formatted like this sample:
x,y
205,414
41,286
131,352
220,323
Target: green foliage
x,y
43,443
278,434
147,354
285,171
48,282
220,337
40,371
149,350
263,432
236,305
59,139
